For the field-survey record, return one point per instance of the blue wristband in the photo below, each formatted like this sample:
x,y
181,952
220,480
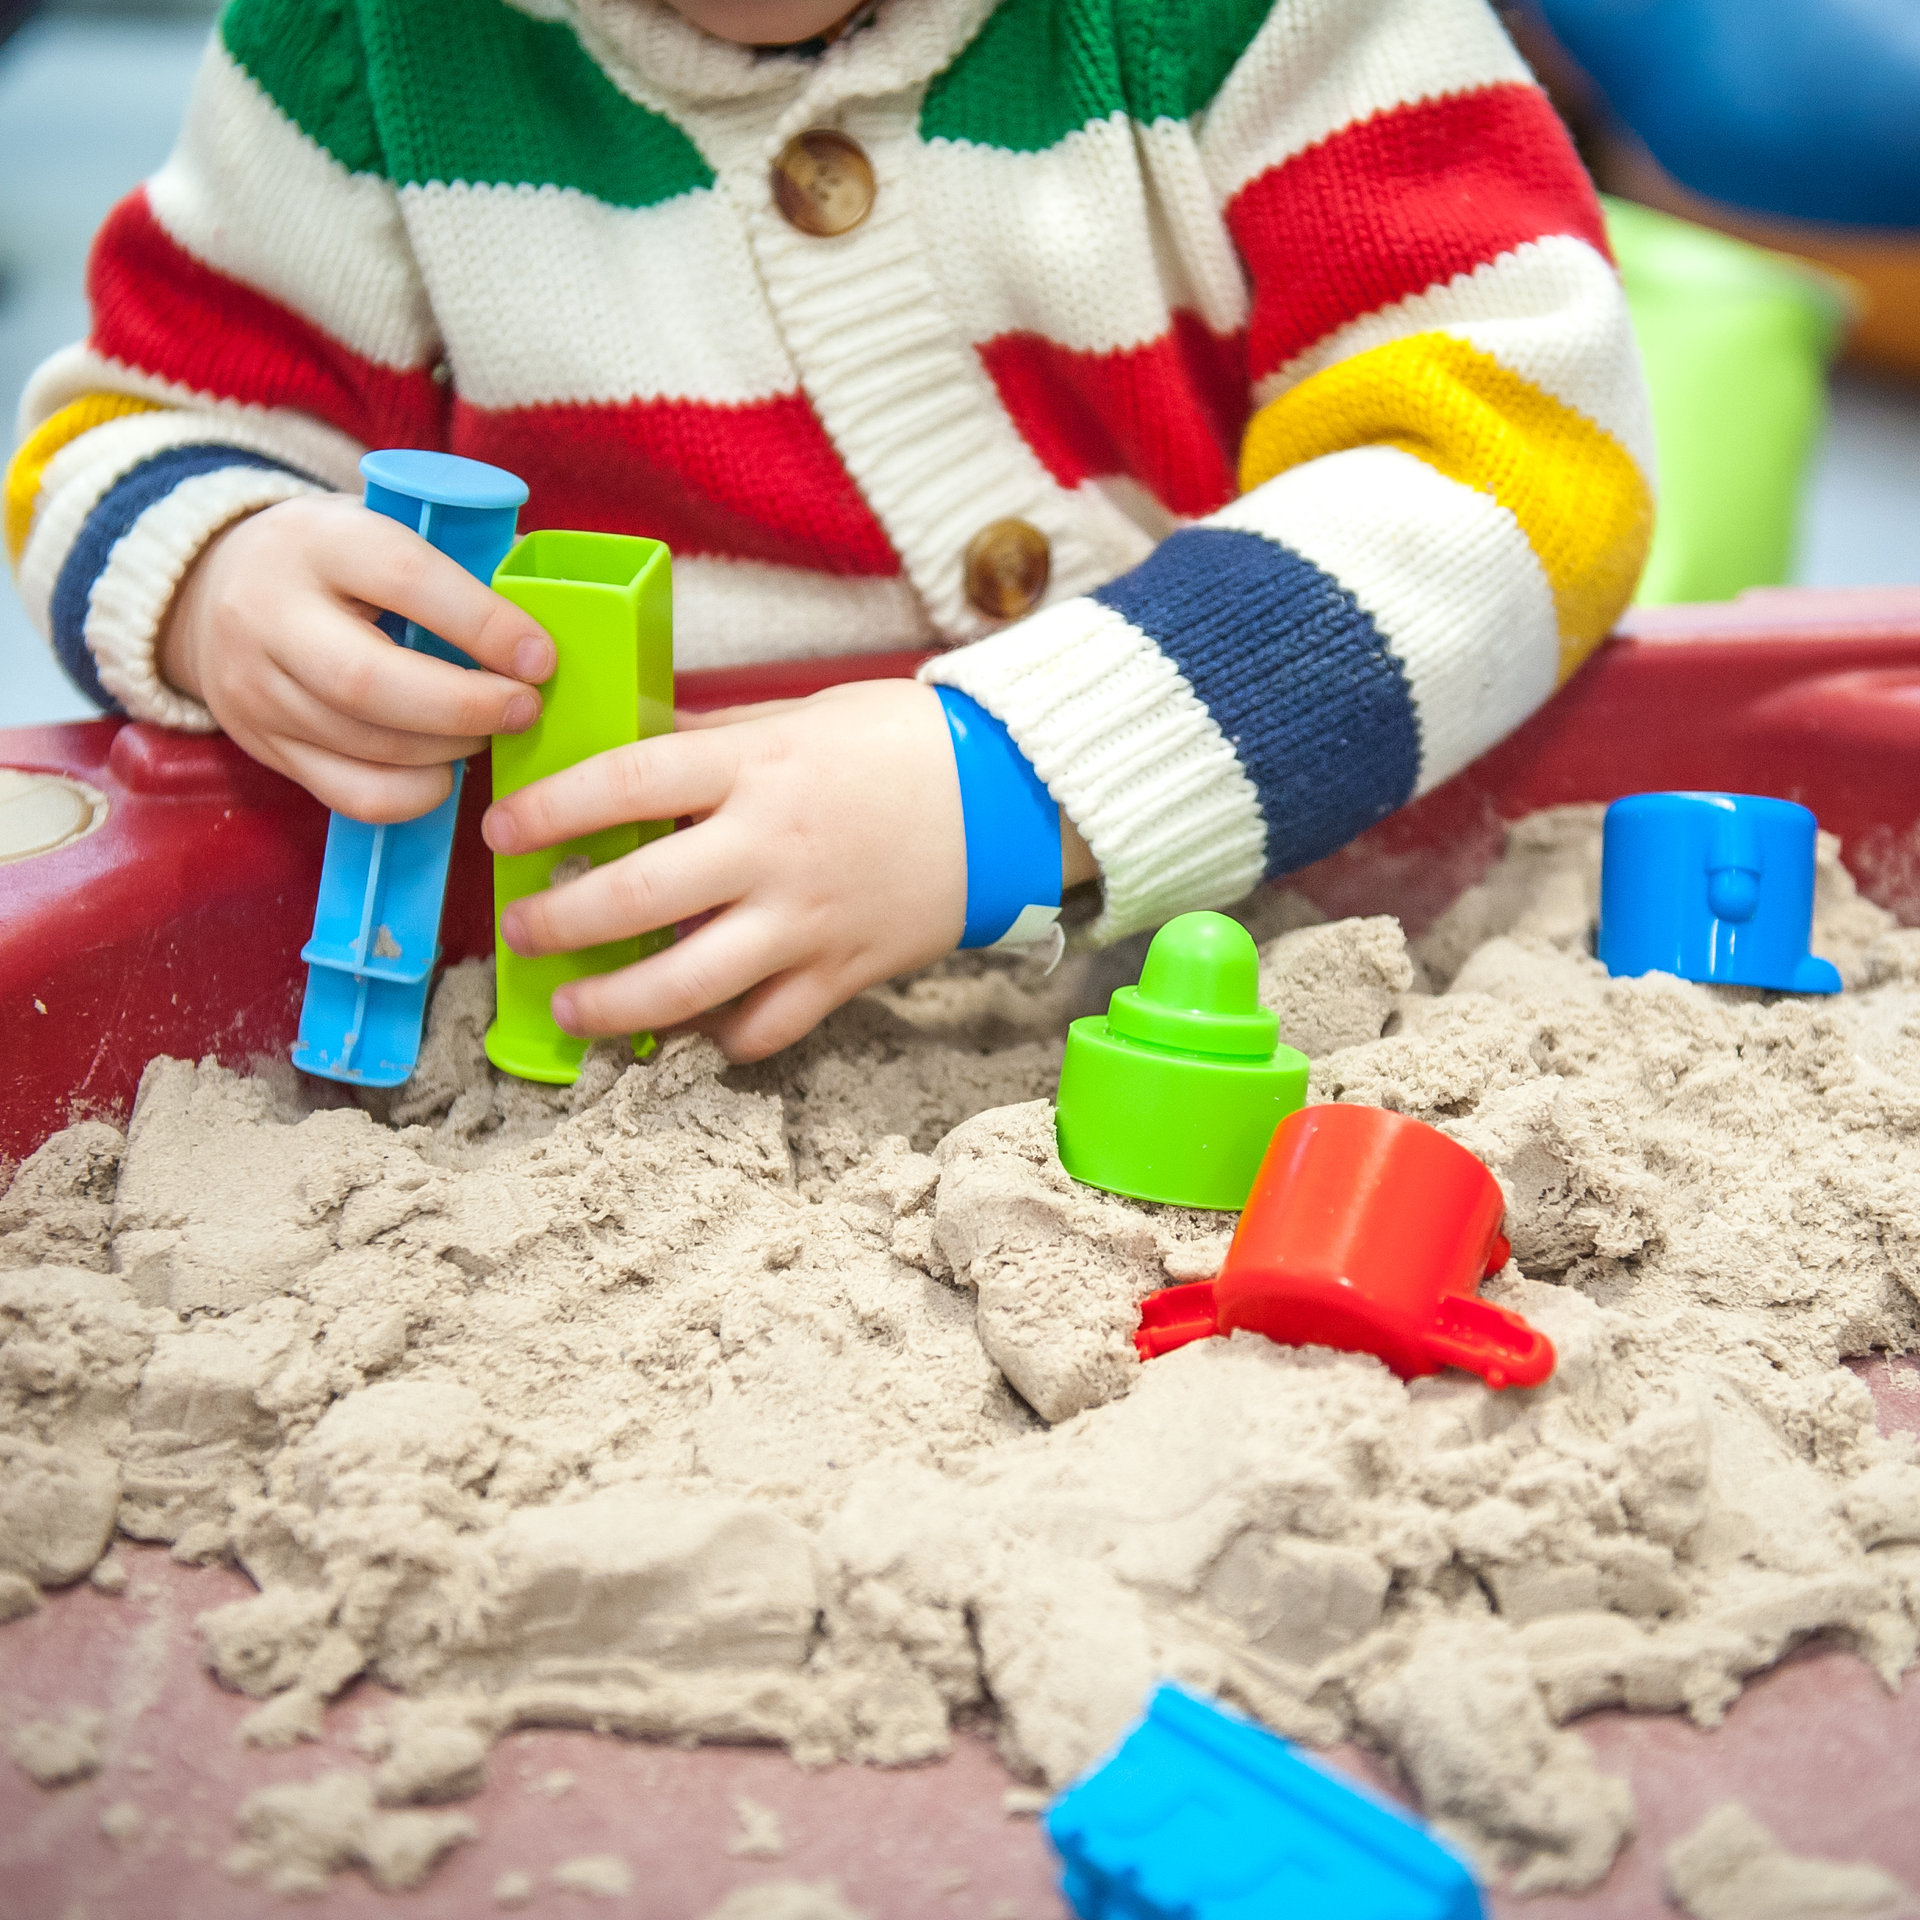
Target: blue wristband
x,y
1012,828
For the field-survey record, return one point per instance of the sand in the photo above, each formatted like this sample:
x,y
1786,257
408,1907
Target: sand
x,y
759,1835
786,1900
297,1837
1731,1868
797,1403
602,1876
123,1824
58,1753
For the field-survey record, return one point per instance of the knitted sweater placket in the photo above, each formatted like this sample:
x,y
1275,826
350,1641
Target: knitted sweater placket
x,y
905,400
908,404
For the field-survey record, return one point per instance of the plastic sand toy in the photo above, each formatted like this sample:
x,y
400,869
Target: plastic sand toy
x,y
1712,887
1735,341
1371,1232
607,601
1808,109
1199,1815
376,926
1174,1093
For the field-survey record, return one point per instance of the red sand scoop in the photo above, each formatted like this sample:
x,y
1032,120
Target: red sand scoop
x,y
1370,1232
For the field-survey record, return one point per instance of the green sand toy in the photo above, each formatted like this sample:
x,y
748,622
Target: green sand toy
x,y
1175,1094
607,600
1735,341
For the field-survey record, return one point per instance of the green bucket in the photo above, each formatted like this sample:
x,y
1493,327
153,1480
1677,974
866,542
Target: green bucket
x,y
1736,342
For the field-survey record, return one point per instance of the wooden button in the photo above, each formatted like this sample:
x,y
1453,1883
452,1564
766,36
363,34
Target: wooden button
x,y
823,183
1007,566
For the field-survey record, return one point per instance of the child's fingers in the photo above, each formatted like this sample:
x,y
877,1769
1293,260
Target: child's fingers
x,y
685,720
377,795
661,884
710,967
304,716
390,566
772,1015
354,669
665,778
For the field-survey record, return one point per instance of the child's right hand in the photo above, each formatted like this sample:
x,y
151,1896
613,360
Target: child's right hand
x,y
273,628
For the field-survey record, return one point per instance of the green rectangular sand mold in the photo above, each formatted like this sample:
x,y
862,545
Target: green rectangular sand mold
x,y
1174,1093
607,601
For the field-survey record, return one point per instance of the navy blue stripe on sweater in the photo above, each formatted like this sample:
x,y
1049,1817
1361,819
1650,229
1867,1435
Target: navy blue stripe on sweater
x,y
112,518
1294,673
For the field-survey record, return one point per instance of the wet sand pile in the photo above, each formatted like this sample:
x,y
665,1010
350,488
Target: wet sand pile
x,y
797,1403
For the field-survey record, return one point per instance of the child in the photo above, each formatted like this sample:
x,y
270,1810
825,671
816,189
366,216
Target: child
x,y
1239,391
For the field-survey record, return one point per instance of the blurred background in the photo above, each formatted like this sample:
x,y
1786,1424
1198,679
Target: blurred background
x,y
1759,153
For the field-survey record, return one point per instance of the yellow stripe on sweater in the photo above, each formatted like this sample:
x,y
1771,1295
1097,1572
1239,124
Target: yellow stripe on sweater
x,y
27,468
1583,504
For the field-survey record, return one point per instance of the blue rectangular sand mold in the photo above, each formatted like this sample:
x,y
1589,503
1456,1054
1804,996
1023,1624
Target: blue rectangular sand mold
x,y
1199,1815
376,925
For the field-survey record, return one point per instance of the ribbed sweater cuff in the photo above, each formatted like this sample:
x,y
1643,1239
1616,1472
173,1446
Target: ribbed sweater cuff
x,y
1127,748
130,595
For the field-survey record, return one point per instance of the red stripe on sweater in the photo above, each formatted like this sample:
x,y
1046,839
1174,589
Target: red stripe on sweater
x,y
758,482
157,308
1401,202
1169,413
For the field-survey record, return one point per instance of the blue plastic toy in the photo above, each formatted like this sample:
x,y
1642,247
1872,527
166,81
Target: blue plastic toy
x,y
376,927
1012,830
1711,886
1809,108
1202,1816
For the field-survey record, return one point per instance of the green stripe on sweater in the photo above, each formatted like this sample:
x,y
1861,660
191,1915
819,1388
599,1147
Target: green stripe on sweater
x,y
1041,69
459,90
306,55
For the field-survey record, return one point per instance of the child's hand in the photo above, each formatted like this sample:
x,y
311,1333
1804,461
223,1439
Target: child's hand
x,y
273,629
828,831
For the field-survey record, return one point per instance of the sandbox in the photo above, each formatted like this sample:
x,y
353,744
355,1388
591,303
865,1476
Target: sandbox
x,y
796,1405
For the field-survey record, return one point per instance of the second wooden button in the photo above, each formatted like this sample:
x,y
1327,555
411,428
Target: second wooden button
x,y
1007,565
823,182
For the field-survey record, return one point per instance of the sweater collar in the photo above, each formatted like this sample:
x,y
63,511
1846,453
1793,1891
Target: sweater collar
x,y
648,44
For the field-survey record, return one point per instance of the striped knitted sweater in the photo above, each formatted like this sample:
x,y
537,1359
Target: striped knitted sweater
x,y
1288,322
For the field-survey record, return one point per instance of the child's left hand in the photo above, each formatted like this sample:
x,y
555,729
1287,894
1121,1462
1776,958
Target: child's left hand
x,y
826,831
